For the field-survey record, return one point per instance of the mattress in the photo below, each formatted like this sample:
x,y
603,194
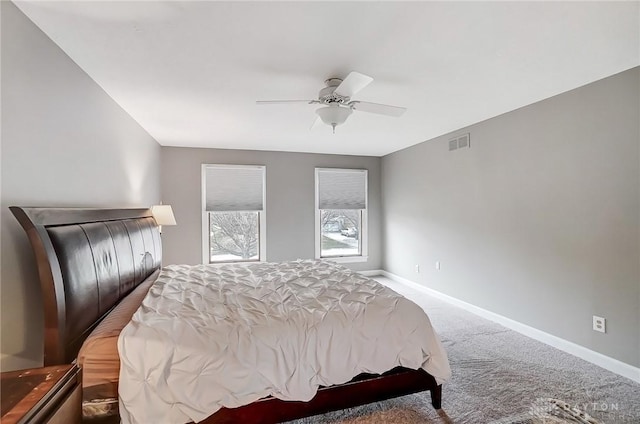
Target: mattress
x,y
211,336
99,358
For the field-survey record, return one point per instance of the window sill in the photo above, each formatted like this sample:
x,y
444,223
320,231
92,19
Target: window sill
x,y
346,259
262,261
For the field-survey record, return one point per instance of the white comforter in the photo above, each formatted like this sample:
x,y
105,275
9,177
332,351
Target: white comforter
x,y
209,336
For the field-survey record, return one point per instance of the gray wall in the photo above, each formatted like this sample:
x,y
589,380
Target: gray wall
x,y
538,221
289,199
64,143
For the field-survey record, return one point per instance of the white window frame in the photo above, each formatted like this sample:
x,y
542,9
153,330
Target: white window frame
x,y
262,215
364,230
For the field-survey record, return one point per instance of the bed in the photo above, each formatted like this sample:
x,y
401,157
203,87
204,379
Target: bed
x,y
93,261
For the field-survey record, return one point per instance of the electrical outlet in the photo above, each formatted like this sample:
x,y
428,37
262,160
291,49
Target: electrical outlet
x,y
599,324
417,269
438,265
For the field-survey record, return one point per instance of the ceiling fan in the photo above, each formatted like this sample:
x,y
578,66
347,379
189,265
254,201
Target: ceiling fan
x,y
336,98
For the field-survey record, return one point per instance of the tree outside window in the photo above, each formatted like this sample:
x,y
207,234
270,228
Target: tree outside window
x,y
234,236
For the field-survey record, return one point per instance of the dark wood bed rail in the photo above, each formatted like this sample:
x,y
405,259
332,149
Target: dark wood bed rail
x,y
365,388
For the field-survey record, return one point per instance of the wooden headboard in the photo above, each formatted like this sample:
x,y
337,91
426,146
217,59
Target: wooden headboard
x,y
88,260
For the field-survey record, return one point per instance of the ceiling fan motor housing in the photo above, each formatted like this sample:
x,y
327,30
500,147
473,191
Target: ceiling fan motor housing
x,y
327,95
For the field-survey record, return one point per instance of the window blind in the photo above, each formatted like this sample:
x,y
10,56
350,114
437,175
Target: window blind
x,y
234,188
342,188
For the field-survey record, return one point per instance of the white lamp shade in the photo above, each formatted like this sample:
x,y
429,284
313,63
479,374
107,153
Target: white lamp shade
x,y
334,115
163,214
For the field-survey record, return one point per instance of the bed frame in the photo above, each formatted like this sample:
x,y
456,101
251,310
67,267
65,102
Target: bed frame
x,y
89,259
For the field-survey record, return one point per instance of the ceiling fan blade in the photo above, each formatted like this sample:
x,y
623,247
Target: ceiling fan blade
x,y
277,102
315,123
353,83
377,108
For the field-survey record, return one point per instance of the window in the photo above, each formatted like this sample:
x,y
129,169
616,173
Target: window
x,y
233,217
341,214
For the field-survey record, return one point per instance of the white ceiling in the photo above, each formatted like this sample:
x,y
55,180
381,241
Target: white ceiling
x,y
190,72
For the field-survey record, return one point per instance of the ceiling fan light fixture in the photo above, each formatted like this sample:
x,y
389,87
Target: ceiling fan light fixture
x,y
338,103
334,115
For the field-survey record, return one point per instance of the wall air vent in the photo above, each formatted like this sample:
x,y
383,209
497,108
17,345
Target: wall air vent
x,y
463,141
460,142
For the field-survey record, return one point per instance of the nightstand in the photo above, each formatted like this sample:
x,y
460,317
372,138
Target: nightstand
x,y
50,395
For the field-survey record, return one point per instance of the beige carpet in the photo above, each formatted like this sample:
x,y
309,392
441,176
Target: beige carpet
x,y
411,416
396,415
408,415
399,416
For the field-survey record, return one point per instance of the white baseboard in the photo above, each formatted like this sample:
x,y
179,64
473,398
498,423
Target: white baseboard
x,y
606,362
372,273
